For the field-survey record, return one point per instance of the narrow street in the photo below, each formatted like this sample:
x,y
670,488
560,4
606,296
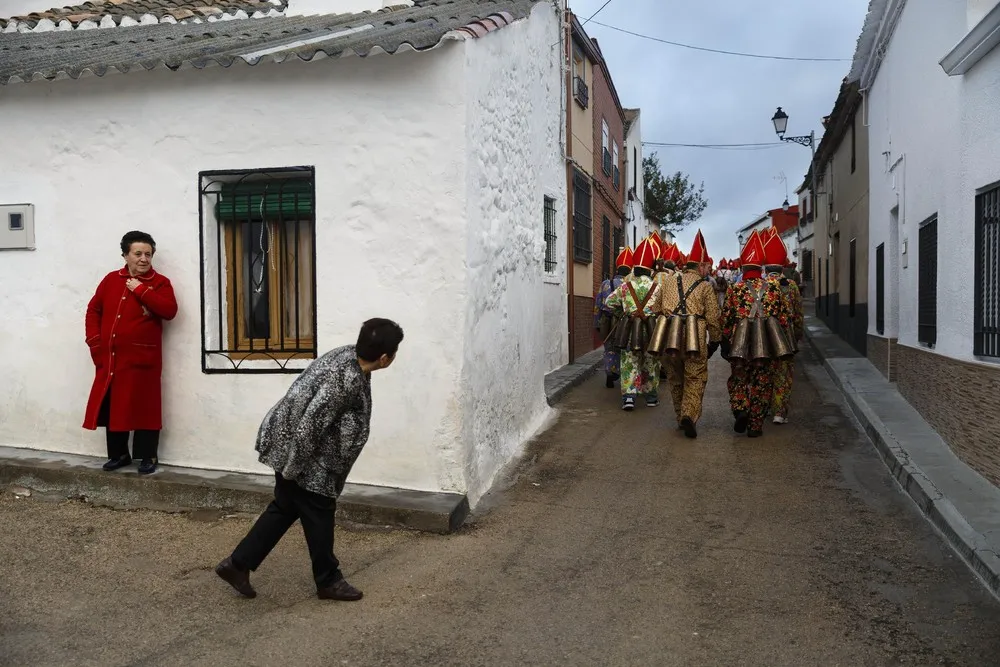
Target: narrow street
x,y
620,542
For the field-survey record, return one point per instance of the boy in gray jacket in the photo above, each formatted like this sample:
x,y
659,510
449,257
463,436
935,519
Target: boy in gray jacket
x,y
311,438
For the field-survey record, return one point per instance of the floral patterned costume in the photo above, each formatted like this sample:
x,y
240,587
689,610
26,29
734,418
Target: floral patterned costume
x,y
751,385
784,369
640,372
612,359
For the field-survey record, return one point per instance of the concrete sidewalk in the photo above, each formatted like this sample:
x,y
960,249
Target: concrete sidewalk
x,y
173,488
957,500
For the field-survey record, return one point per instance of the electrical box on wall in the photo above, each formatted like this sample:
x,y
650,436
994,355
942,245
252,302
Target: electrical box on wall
x,y
17,227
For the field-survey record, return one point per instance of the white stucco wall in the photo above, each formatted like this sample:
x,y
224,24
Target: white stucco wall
x,y
99,157
930,158
512,90
636,226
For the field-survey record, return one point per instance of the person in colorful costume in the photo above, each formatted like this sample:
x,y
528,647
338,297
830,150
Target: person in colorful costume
x,y
623,267
689,375
640,372
751,384
776,256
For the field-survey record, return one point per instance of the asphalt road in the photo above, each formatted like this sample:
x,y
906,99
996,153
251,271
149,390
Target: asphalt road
x,y
619,542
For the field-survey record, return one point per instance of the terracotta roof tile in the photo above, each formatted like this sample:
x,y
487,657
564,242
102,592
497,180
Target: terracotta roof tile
x,y
135,9
59,54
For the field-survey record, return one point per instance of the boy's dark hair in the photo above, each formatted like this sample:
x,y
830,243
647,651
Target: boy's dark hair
x,y
623,271
137,237
379,336
642,271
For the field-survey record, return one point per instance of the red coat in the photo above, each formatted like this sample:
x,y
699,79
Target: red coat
x,y
125,333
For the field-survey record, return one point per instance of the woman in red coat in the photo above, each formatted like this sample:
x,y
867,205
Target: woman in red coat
x,y
124,333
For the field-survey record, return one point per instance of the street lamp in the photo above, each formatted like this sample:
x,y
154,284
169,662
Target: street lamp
x,y
785,205
741,241
780,120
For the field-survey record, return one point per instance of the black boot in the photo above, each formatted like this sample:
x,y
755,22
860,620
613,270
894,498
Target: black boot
x,y
754,434
688,427
120,462
609,381
147,467
742,419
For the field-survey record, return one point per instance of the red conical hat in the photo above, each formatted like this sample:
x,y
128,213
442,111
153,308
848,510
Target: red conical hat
x,y
724,264
671,253
644,255
681,258
775,252
699,253
624,258
753,251
657,243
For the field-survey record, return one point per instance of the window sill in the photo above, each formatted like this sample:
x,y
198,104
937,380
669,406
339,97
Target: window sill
x,y
552,279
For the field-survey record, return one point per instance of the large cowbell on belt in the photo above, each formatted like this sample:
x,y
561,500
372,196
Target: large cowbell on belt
x,y
759,338
677,333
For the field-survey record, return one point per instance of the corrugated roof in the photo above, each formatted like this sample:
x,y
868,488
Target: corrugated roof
x,y
119,10
72,53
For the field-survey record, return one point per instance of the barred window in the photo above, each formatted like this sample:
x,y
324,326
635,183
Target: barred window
x,y
258,270
927,283
583,230
987,296
880,288
550,235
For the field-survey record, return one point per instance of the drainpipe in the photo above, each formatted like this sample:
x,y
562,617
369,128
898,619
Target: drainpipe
x,y
570,265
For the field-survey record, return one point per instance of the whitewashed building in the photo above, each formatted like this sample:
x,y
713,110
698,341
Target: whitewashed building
x,y
396,163
928,71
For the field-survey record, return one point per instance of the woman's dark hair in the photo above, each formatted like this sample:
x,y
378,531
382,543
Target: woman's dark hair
x,y
623,271
379,336
137,237
642,271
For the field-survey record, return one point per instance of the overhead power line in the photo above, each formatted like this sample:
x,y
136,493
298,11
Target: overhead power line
x,y
733,147
722,51
597,12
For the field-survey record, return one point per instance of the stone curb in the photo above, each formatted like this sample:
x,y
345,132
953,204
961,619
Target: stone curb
x,y
939,510
561,381
174,489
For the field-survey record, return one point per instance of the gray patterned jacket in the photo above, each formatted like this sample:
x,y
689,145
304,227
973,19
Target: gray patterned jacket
x,y
316,432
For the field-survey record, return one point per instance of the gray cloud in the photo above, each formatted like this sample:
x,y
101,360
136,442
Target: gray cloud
x,y
696,97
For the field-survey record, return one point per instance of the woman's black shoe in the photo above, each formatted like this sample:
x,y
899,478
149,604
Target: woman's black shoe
x,y
609,382
120,462
147,467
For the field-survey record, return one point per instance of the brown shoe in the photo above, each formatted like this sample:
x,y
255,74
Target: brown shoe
x,y
341,590
238,579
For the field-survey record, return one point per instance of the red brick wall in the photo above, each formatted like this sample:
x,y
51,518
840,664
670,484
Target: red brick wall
x,y
606,108
960,400
583,326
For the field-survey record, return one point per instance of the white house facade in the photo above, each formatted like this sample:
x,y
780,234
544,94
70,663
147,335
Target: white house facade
x,y
928,71
636,226
290,201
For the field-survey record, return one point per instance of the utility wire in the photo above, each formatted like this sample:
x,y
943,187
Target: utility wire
x,y
728,53
596,13
737,147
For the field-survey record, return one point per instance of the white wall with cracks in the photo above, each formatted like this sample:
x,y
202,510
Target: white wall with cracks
x,y
431,170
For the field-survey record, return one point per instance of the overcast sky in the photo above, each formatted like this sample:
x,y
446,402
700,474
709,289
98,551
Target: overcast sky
x,y
695,97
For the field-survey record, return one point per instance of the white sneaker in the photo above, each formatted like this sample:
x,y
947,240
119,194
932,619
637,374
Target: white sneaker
x,y
780,420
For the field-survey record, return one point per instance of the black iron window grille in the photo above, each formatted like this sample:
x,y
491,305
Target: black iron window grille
x,y
927,283
581,93
852,278
617,174
986,341
606,162
605,247
880,288
583,230
827,300
551,260
258,280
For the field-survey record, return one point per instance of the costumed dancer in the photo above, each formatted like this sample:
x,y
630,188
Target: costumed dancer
x,y
690,294
632,302
777,269
604,318
750,302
